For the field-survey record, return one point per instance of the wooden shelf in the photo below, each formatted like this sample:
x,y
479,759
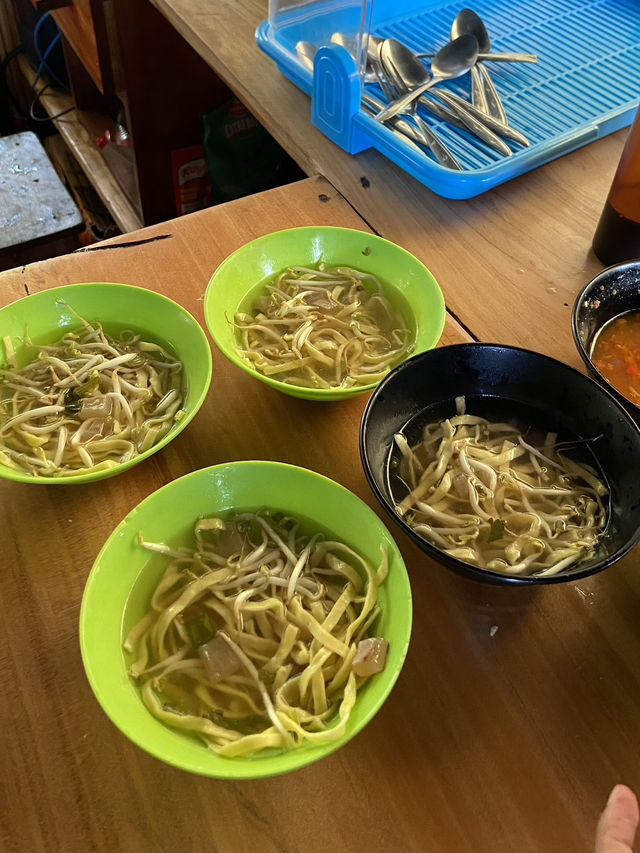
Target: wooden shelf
x,y
158,93
85,150
78,25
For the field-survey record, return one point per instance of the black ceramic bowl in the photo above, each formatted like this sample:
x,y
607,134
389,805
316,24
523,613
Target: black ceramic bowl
x,y
612,292
507,383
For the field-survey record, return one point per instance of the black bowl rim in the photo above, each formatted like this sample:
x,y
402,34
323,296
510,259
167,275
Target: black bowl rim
x,y
584,355
485,575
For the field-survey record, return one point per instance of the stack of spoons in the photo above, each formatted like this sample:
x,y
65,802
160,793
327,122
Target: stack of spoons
x,y
405,95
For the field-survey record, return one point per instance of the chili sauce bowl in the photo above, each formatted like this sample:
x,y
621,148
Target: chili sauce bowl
x,y
613,292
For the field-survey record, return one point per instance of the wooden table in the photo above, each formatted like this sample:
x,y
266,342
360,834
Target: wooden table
x,y
516,711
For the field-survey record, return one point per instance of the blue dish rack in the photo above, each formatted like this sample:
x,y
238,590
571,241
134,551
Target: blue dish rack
x,y
585,85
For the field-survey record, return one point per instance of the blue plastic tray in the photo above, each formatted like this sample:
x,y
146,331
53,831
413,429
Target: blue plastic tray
x,y
585,85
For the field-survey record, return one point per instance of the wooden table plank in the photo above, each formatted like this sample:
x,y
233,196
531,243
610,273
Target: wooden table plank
x,y
14,286
506,739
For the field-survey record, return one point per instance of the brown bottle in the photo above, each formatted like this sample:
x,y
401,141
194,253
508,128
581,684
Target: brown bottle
x,y
617,236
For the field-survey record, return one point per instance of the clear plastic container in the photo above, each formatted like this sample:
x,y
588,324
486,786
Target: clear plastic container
x,y
292,21
585,85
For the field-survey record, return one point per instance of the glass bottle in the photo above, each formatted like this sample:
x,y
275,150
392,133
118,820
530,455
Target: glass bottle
x,y
617,236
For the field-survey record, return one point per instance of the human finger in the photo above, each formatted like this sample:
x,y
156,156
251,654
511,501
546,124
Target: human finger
x,y
618,822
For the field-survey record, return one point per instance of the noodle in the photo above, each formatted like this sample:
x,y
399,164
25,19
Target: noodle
x,y
257,637
479,492
324,328
86,403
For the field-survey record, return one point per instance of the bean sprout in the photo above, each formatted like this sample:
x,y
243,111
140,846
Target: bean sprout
x,y
86,403
254,635
481,493
324,328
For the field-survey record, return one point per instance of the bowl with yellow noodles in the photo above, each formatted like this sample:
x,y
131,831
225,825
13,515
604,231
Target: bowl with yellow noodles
x,y
94,378
246,620
503,464
322,313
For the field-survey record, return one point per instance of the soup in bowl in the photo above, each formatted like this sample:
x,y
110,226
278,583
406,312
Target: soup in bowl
x,y
94,378
322,313
504,464
246,620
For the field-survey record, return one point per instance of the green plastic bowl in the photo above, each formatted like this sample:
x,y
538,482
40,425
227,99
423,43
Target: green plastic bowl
x,y
120,585
46,317
407,282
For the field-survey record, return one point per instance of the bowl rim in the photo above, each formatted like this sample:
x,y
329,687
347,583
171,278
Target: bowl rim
x,y
475,573
315,393
178,427
204,762
584,355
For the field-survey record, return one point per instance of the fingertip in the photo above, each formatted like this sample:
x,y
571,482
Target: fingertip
x,y
618,822
622,794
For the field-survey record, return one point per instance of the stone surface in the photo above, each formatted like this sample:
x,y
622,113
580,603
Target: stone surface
x,y
34,202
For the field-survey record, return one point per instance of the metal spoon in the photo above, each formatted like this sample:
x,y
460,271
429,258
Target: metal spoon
x,y
453,60
417,80
372,105
487,121
351,47
435,144
459,27
484,94
373,43
494,57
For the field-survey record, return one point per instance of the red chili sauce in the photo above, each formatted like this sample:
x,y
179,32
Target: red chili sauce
x,y
616,354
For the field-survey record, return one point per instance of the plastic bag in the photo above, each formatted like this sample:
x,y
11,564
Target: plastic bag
x,y
242,157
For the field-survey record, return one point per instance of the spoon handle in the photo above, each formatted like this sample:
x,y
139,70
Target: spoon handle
x,y
508,57
454,102
475,125
442,112
478,95
495,57
493,103
410,134
438,148
400,104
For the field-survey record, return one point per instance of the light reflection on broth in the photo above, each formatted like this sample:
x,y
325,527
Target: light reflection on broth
x,y
497,497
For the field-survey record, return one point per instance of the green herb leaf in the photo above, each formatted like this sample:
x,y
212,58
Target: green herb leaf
x,y
199,630
497,529
72,397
